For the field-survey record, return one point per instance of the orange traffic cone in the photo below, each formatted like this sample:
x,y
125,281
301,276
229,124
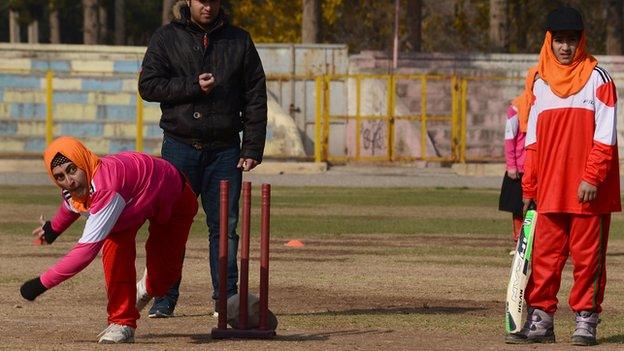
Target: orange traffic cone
x,y
294,243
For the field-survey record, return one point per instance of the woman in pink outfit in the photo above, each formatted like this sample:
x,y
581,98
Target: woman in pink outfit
x,y
117,194
511,191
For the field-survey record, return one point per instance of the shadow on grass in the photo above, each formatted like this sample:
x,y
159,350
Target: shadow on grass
x,y
614,339
321,336
392,310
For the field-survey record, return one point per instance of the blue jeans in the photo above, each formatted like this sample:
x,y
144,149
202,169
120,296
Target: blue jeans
x,y
205,169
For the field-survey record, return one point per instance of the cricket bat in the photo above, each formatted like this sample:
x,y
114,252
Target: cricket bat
x,y
520,273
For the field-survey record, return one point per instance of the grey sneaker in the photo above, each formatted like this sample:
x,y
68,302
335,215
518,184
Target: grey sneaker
x,y
538,328
116,334
585,332
142,297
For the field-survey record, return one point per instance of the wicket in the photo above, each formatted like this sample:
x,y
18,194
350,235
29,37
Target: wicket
x,y
222,331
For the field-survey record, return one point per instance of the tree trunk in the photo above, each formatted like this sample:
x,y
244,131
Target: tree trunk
x,y
120,23
90,30
166,12
413,26
518,42
14,27
498,25
310,21
102,23
33,32
55,26
614,27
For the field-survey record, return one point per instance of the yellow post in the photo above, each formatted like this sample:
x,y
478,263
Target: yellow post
x,y
139,123
454,119
423,117
317,119
390,117
358,116
326,116
464,100
49,124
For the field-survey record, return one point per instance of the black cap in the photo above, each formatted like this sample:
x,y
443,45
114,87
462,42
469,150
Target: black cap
x,y
564,18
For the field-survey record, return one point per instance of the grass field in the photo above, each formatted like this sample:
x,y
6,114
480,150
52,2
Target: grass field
x,y
400,269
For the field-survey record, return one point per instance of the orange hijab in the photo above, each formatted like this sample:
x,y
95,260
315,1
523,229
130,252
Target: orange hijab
x,y
565,80
74,150
524,101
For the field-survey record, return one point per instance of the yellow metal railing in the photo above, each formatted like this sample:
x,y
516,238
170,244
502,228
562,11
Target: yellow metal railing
x,y
357,117
49,117
456,118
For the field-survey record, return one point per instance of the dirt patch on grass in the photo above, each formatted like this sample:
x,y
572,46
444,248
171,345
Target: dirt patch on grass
x,y
358,295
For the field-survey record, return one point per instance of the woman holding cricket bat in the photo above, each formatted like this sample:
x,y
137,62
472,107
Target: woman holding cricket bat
x,y
117,194
572,174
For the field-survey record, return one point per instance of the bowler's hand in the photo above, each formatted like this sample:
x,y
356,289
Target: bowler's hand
x,y
586,192
39,232
247,164
206,82
32,288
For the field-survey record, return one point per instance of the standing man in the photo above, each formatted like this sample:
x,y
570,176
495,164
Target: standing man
x,y
208,78
572,174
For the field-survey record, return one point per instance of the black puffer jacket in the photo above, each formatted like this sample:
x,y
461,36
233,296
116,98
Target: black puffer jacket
x,y
172,64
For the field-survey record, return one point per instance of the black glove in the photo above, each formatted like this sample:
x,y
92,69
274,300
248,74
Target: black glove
x,y
32,288
48,233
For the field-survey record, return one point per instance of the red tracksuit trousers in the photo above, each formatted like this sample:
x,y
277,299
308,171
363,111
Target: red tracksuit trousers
x,y
164,257
558,235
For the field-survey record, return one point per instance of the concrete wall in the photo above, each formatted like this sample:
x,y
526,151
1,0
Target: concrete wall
x,y
495,80
95,98
95,95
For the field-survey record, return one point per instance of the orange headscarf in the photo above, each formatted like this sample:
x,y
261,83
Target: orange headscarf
x,y
524,101
84,158
565,80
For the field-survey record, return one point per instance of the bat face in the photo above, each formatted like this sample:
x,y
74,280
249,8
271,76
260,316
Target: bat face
x,y
519,276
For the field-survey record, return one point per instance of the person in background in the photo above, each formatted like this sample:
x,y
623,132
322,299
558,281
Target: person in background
x,y
209,80
515,132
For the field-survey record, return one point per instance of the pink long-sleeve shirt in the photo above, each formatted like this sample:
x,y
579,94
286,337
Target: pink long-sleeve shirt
x,y
514,142
127,189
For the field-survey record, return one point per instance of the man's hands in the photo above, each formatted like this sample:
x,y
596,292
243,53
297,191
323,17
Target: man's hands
x,y
206,82
586,192
246,164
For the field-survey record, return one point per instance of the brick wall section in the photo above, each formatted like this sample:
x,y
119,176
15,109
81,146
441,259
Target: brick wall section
x,y
487,98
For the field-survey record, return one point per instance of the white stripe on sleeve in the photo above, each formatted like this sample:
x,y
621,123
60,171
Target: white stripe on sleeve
x,y
511,128
100,224
606,120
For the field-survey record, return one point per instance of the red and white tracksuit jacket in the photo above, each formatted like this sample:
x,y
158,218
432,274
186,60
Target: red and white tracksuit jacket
x,y
569,140
126,190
